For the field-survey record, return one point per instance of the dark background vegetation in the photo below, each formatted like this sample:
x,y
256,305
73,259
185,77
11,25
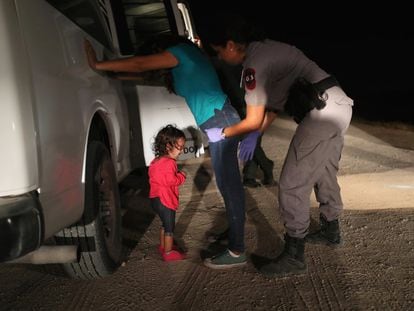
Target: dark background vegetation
x,y
369,47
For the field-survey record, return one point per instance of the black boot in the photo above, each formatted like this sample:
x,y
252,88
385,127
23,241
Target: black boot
x,y
268,179
328,234
251,183
249,174
291,261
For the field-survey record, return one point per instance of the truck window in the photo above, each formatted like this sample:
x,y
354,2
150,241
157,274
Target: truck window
x,y
137,21
90,15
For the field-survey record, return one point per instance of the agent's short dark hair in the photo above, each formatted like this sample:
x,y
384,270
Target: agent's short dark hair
x,y
166,139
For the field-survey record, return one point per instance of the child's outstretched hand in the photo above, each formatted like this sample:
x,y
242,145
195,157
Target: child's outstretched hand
x,y
90,54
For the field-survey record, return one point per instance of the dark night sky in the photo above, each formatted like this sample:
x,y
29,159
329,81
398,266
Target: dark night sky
x,y
369,49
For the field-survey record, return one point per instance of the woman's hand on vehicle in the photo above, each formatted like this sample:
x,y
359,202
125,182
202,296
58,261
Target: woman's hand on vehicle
x,y
90,54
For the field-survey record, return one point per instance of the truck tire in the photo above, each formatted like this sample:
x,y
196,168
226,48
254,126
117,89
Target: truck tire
x,y
98,233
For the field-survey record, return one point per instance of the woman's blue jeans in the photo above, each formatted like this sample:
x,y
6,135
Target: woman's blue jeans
x,y
226,169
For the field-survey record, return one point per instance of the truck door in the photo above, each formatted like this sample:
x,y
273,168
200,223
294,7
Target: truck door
x,y
135,23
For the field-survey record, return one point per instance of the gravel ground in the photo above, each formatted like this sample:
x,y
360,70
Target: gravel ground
x,y
372,270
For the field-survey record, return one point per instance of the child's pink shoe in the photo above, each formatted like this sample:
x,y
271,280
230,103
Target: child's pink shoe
x,y
173,256
161,249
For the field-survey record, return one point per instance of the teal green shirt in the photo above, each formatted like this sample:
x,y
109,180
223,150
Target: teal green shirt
x,y
196,80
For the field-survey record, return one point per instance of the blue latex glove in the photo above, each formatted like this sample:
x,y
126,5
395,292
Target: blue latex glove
x,y
247,146
214,134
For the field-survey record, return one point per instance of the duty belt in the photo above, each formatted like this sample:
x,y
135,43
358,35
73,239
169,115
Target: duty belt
x,y
325,84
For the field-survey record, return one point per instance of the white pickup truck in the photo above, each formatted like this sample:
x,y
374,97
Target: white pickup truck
x,y
69,135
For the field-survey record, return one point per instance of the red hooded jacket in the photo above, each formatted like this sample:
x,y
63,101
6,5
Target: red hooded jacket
x,y
164,179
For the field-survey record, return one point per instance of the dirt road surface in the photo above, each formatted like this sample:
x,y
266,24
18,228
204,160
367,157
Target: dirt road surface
x,y
372,270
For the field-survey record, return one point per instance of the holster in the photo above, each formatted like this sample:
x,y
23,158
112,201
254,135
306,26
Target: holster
x,y
304,96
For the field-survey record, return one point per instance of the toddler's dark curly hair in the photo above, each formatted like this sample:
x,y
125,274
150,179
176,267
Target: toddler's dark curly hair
x,y
166,139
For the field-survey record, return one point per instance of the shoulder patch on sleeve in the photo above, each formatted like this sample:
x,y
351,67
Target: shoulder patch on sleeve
x,y
249,78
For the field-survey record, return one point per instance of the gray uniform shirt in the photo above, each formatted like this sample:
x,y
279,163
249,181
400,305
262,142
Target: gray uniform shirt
x,y
269,70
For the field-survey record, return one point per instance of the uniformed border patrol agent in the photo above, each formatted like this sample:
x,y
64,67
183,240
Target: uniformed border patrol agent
x,y
278,76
